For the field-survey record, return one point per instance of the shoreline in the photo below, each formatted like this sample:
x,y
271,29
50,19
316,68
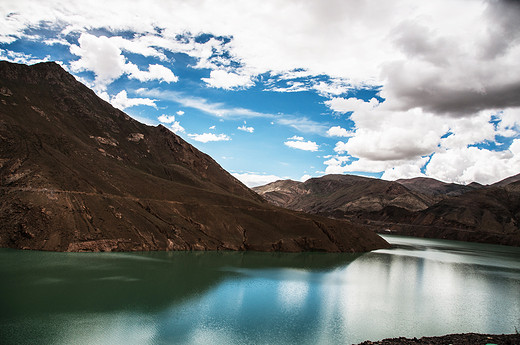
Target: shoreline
x,y
453,339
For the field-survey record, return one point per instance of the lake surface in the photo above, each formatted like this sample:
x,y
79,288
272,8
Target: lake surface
x,y
419,287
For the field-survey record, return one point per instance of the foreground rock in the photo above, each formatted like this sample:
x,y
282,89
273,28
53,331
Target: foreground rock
x,y
453,339
419,207
79,175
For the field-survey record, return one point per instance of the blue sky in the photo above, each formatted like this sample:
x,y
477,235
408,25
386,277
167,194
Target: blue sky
x,y
291,89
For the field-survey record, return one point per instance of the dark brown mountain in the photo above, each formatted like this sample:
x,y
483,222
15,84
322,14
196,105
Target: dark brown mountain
x,y
79,175
342,194
490,214
437,189
421,207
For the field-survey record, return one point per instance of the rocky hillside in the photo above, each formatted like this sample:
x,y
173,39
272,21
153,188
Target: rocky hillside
x,y
421,207
77,174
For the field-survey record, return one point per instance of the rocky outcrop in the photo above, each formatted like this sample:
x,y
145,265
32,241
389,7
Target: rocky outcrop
x,y
77,174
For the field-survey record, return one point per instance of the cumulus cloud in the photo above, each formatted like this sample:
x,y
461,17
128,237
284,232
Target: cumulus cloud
x,y
180,112
400,144
345,105
383,135
166,118
251,179
121,101
299,143
338,131
207,137
246,129
227,80
155,72
103,56
99,55
465,165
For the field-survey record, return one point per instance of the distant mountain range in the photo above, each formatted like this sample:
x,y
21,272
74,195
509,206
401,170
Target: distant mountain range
x,y
77,174
422,207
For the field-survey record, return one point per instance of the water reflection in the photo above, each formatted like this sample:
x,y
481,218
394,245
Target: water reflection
x,y
419,287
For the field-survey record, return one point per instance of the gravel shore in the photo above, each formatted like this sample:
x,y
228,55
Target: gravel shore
x,y
453,339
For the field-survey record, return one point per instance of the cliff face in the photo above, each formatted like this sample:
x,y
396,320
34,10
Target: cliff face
x,y
79,175
420,207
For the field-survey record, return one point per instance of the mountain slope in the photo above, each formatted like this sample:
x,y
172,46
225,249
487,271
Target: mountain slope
x,y
77,174
419,207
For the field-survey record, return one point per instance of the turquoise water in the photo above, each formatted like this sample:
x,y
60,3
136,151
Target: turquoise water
x,y
419,287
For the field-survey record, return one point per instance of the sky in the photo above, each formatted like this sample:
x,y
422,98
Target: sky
x,y
293,89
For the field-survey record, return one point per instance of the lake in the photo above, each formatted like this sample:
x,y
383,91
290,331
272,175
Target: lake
x,y
419,287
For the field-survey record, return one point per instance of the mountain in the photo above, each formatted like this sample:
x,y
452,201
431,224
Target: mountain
x,y
79,175
489,214
437,189
342,194
422,207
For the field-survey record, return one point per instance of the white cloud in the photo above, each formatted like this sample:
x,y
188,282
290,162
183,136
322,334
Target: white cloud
x,y
177,128
344,105
180,112
295,137
402,171
213,127
138,45
227,80
292,87
175,125
246,129
465,165
121,101
298,143
207,137
155,72
99,55
103,56
335,87
17,57
255,179
166,118
305,178
338,131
